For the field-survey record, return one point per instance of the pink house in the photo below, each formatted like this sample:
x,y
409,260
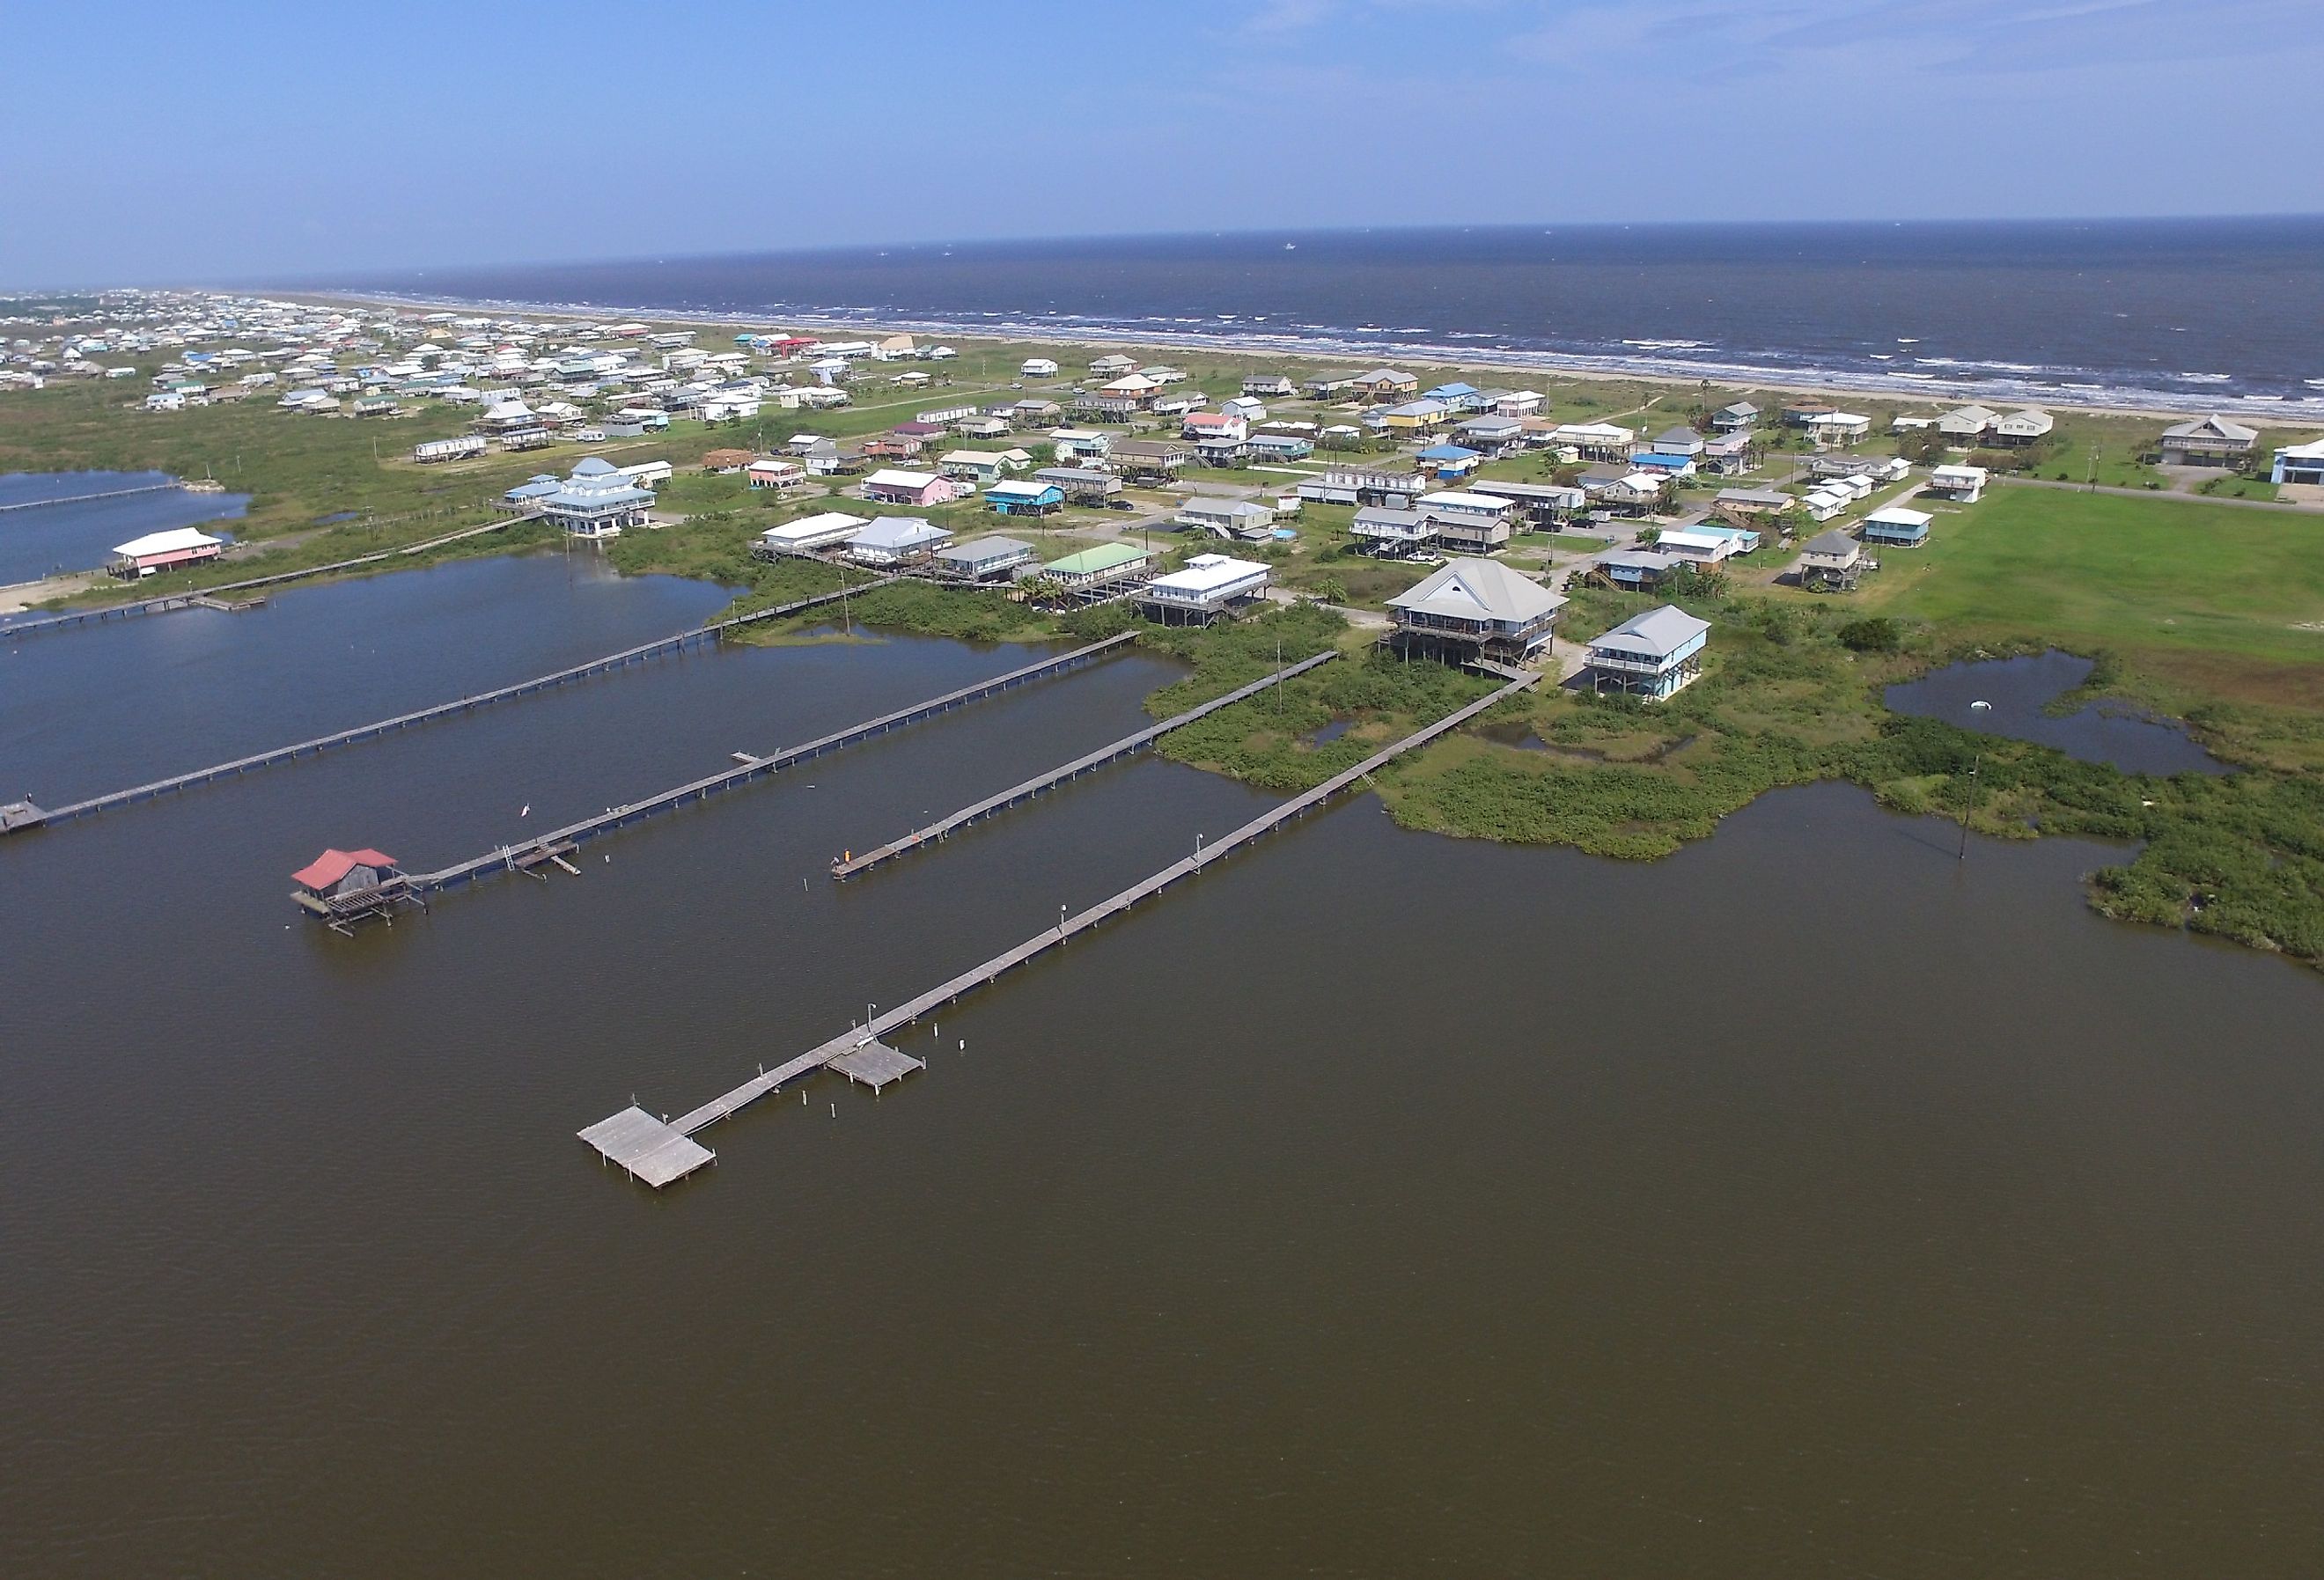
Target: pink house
x,y
1214,425
890,486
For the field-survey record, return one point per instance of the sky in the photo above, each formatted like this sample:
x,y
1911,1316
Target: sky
x,y
240,141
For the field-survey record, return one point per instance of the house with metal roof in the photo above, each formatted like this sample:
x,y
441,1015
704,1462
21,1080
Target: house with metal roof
x,y
2208,441
990,558
896,540
1898,527
1829,562
890,486
1638,569
2298,463
1449,462
159,551
1210,586
1096,567
1739,417
1653,655
1393,531
1225,518
597,501
1962,485
2025,426
1036,498
1472,609
808,534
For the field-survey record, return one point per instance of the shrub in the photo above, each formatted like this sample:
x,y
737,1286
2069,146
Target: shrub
x,y
1876,634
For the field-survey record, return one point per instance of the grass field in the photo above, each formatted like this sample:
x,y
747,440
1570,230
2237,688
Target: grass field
x,y
2220,597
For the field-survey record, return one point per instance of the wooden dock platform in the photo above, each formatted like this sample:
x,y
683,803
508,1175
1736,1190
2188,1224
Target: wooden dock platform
x,y
1129,744
512,858
657,1153
660,648
881,1026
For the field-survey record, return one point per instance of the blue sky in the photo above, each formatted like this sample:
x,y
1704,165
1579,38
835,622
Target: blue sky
x,y
169,143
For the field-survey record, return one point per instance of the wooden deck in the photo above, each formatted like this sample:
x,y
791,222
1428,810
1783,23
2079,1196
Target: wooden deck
x,y
868,1035
919,839
661,648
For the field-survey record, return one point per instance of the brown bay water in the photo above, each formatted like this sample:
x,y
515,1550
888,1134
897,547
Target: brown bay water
x,y
1810,1203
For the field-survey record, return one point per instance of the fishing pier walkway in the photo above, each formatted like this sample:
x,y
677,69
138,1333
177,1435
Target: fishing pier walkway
x,y
85,498
560,841
661,1151
30,817
1128,746
206,597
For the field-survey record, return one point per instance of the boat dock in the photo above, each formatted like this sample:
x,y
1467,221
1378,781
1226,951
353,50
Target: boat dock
x,y
662,648
562,841
661,1151
1128,746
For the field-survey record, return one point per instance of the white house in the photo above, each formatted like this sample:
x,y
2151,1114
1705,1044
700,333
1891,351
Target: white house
x,y
1210,585
1962,485
808,534
1039,367
896,540
597,501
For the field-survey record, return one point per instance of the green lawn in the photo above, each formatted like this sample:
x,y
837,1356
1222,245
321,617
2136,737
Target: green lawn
x,y
2166,577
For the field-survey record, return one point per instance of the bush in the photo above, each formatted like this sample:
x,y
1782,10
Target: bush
x,y
1876,634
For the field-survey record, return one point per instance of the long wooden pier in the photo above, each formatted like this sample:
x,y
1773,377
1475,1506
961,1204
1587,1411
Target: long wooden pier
x,y
561,841
1127,746
193,597
85,498
660,1152
36,817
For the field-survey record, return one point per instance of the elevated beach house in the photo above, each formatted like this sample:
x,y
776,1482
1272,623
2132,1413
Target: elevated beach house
x,y
1212,584
892,485
1962,485
1651,655
808,535
992,559
1036,498
1898,527
1473,609
891,541
597,501
1094,571
2208,441
1830,562
159,551
2298,463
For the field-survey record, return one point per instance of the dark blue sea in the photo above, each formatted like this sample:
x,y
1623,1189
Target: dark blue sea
x,y
2156,313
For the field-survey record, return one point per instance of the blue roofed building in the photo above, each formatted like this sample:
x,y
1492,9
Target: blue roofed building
x,y
1447,462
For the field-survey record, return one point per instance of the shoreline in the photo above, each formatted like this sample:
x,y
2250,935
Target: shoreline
x,y
1918,389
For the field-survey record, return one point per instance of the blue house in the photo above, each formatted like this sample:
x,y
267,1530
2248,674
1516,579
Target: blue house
x,y
1446,462
1898,527
1660,461
1024,499
1458,396
1280,447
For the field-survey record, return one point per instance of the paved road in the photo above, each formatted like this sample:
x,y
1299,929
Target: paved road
x,y
2282,506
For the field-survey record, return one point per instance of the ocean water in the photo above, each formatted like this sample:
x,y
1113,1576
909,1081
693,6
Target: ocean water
x,y
2165,314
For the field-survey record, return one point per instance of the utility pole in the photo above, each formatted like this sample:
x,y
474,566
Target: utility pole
x,y
1975,762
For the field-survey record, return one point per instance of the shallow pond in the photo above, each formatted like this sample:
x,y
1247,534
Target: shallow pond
x,y
2018,690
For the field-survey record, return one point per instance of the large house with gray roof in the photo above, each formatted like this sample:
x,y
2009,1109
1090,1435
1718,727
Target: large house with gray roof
x,y
1475,609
